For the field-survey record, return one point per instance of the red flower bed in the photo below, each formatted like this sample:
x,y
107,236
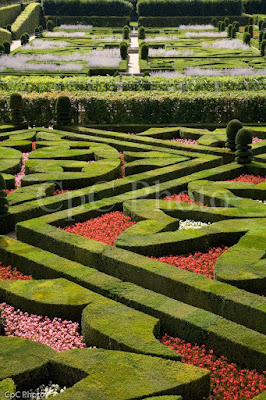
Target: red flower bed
x,y
199,262
249,178
12,274
105,229
228,380
184,197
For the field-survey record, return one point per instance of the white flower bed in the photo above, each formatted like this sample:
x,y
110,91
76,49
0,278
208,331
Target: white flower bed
x,y
161,52
105,58
78,27
166,74
65,34
45,392
190,224
39,44
197,71
234,44
208,27
206,34
161,38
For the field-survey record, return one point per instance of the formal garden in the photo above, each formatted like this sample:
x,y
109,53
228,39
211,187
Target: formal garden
x,y
133,199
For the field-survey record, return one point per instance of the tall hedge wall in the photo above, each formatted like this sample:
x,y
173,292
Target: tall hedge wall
x,y
5,36
255,6
176,21
87,7
154,8
27,20
143,108
101,21
8,14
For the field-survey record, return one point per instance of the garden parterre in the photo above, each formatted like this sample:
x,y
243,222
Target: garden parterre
x,y
122,299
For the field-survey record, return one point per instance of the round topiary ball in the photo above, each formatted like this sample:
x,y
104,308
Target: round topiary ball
x,y
244,153
231,131
244,137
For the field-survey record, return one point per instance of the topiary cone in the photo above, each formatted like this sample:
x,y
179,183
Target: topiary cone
x,y
231,130
3,199
16,106
244,154
63,111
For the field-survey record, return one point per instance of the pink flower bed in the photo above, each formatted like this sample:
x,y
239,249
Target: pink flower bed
x,y
249,178
199,262
105,228
228,380
185,141
11,274
58,334
183,197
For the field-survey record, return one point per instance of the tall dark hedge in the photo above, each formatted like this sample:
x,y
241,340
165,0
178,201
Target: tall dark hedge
x,y
254,6
87,7
162,8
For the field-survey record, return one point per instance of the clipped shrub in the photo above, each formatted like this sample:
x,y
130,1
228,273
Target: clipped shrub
x,y
236,25
126,31
6,46
246,38
2,50
231,131
229,31
5,36
123,50
144,51
27,36
8,27
63,111
260,36
219,26
262,48
250,30
222,26
226,21
246,28
263,25
27,20
50,25
58,21
244,154
23,39
3,199
214,21
234,31
141,32
261,21
16,107
37,32
251,21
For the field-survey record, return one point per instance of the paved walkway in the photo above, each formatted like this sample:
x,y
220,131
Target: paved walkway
x,y
133,54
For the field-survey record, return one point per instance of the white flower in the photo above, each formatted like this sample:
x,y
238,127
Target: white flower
x,y
231,44
197,27
190,224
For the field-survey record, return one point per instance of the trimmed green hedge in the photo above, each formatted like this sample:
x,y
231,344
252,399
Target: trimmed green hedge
x,y
7,385
27,20
101,21
8,14
160,8
5,36
147,108
254,6
87,7
173,21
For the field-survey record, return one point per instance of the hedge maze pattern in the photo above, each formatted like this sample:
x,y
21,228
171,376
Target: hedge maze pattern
x,y
124,299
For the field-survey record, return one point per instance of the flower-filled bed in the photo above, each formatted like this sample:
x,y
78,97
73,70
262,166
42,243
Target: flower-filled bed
x,y
228,380
249,178
12,274
105,228
199,262
183,197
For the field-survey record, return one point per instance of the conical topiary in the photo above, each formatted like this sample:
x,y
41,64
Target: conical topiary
x,y
16,107
244,154
63,111
231,130
3,199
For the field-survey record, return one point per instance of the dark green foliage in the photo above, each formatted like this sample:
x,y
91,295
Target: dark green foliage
x,y
16,106
6,46
87,7
27,36
260,23
63,111
262,48
141,32
214,21
260,36
126,31
222,26
251,21
229,31
250,30
41,29
246,28
231,131
37,32
8,27
161,8
226,21
23,40
236,25
3,199
123,50
254,6
50,25
244,154
144,51
58,21
246,38
234,31
2,50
